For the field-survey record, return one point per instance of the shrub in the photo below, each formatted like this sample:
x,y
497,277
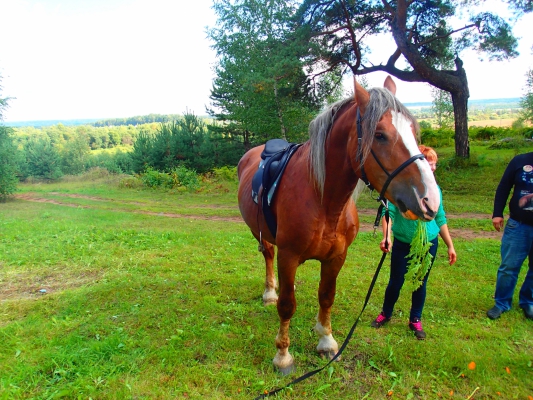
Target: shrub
x,y
184,177
225,174
526,132
511,143
179,177
437,137
96,173
155,179
119,163
42,160
8,164
130,182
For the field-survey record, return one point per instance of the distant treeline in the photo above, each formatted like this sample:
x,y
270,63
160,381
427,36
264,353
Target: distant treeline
x,y
184,142
97,138
138,120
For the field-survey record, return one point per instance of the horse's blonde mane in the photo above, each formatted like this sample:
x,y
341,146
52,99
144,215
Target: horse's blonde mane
x,y
380,101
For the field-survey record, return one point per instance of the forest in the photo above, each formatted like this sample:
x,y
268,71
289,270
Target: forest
x,y
188,142
310,47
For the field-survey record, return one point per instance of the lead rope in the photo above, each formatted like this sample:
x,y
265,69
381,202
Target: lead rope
x,y
347,340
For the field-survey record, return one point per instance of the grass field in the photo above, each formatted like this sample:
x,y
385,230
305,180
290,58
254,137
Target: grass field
x,y
110,293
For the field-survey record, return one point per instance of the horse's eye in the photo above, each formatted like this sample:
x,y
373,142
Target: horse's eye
x,y
380,136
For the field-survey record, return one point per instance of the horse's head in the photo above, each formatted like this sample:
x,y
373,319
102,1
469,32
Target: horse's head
x,y
389,153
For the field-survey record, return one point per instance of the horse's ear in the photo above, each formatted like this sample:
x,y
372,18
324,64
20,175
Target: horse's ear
x,y
390,85
361,96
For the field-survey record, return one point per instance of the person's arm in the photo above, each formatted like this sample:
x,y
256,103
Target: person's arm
x,y
501,196
445,235
385,244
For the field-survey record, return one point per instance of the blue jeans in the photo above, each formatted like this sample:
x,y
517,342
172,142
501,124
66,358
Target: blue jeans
x,y
517,244
398,268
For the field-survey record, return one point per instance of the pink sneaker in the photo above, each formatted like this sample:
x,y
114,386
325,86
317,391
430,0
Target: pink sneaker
x,y
416,326
380,321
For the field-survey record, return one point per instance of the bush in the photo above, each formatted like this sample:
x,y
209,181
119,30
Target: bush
x,y
437,137
8,164
511,143
526,132
179,177
119,163
228,174
42,160
183,177
155,179
130,182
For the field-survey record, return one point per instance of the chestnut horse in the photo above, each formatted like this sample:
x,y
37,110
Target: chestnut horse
x,y
314,209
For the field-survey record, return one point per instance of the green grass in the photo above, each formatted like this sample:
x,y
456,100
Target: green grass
x,y
143,306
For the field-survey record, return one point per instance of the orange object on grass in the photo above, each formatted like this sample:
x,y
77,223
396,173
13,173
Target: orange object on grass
x,y
472,365
508,370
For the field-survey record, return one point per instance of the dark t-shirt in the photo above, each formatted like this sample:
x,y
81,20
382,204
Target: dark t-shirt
x,y
519,173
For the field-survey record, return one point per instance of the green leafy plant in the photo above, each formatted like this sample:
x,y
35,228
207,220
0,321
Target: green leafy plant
x,y
419,257
182,176
154,179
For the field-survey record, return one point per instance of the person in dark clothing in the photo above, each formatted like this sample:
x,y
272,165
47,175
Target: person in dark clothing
x,y
517,240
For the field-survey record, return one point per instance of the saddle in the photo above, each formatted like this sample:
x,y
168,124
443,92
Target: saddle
x,y
274,160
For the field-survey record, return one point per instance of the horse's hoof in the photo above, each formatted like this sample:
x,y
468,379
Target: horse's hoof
x,y
284,364
329,355
270,302
270,297
287,370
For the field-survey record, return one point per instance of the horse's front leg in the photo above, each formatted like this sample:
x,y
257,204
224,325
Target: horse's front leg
x,y
327,345
286,304
269,295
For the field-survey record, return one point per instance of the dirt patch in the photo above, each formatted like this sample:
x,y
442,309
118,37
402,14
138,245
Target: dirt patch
x,y
364,227
33,197
16,285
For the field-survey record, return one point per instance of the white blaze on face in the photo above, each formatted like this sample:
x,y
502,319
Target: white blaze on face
x,y
403,126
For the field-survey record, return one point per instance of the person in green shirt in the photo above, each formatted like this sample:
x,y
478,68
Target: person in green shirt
x,y
403,231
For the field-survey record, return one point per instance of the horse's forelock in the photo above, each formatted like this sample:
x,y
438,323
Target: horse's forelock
x,y
381,100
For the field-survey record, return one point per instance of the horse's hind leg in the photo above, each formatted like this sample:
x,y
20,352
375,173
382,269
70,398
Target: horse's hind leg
x,y
269,295
287,265
327,345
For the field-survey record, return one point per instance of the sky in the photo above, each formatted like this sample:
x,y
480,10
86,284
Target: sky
x,y
96,59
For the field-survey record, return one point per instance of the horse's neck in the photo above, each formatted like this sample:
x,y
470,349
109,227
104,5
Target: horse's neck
x,y
340,177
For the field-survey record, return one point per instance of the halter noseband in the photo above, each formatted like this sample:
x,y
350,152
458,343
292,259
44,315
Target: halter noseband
x,y
390,176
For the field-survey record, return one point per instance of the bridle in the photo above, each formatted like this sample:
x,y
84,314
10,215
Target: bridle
x,y
390,176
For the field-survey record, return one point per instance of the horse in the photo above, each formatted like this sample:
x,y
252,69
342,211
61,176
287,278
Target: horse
x,y
360,138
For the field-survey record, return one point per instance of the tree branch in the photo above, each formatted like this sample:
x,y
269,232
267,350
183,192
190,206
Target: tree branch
x,y
445,36
353,38
394,57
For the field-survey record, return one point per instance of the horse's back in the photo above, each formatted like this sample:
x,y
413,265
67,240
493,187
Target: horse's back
x,y
249,161
246,169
